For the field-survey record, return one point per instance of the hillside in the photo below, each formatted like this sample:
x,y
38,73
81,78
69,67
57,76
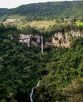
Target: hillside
x,y
3,11
41,57
59,70
48,10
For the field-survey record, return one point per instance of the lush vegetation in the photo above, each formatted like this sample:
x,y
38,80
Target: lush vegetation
x,y
79,23
50,10
63,81
58,69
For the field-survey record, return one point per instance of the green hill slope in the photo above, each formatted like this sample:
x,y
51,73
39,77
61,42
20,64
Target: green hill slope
x,y
49,10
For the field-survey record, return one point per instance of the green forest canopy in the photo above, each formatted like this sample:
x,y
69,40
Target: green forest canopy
x,y
58,68
49,10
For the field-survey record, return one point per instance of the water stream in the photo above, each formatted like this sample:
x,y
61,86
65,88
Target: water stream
x,y
32,91
42,49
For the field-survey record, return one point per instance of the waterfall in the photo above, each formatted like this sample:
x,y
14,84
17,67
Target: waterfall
x,y
29,40
31,95
42,45
32,91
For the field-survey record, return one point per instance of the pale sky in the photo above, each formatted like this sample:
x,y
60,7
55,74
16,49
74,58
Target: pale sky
x,y
16,3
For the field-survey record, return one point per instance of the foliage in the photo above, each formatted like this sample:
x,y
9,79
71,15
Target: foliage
x,y
21,67
64,67
49,10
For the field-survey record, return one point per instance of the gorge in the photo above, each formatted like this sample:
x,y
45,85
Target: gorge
x,y
41,52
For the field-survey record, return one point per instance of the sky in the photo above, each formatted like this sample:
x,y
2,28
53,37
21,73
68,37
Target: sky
x,y
16,3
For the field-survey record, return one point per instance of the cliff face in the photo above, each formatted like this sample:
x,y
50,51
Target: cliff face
x,y
60,39
30,39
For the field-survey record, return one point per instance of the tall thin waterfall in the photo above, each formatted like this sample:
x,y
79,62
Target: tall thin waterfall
x,y
42,47
31,95
32,91
29,40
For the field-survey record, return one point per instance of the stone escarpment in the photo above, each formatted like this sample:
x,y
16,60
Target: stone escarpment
x,y
30,39
58,39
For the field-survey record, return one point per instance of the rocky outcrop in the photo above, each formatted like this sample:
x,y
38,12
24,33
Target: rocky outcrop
x,y
35,40
25,39
30,39
60,39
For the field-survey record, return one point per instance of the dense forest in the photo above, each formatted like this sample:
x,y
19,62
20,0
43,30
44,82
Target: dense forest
x,y
30,74
49,10
59,70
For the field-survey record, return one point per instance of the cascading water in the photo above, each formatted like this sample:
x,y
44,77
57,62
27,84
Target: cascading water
x,y
32,91
42,45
